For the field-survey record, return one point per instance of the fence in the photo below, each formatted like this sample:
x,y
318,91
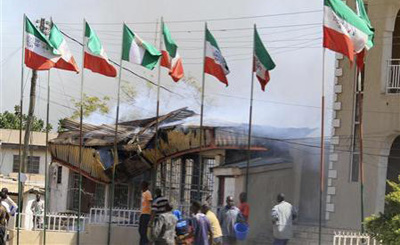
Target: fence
x,y
120,216
393,76
351,238
55,222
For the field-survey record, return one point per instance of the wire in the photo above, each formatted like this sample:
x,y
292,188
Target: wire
x,y
199,20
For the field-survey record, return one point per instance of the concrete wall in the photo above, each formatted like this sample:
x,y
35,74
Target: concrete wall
x,y
58,191
93,235
263,189
381,126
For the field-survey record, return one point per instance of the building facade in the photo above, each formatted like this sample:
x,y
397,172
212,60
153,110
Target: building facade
x,y
380,88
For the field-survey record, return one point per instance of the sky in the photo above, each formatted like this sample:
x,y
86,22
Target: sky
x,y
291,31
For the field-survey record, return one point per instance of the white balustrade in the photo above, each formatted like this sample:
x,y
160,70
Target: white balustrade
x,y
393,76
55,222
353,238
120,216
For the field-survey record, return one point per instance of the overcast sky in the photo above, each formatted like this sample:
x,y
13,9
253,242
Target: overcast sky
x,y
292,98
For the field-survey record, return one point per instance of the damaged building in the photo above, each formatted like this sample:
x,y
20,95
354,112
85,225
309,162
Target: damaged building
x,y
171,157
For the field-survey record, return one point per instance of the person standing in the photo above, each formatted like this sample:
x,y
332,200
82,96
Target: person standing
x,y
145,213
282,216
244,207
37,209
11,204
215,226
228,217
163,227
201,226
4,218
160,203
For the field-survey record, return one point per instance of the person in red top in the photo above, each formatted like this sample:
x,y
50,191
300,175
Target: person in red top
x,y
244,207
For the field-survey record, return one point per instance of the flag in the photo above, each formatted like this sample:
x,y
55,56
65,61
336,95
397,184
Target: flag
x,y
170,56
67,61
344,31
263,62
362,13
40,54
137,51
95,58
214,62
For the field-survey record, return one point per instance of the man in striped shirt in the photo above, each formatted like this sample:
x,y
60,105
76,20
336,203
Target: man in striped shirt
x,y
160,203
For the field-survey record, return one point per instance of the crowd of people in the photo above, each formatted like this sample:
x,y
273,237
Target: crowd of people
x,y
160,224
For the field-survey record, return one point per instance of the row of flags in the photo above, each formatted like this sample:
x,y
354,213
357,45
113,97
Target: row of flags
x,y
345,32
42,53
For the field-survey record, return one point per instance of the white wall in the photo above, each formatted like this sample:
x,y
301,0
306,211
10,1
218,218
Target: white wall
x,y
58,192
7,159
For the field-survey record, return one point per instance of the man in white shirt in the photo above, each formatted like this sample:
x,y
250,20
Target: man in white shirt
x,y
37,209
8,203
282,216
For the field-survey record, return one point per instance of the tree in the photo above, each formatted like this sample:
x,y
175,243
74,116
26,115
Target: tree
x,y
9,120
90,104
385,227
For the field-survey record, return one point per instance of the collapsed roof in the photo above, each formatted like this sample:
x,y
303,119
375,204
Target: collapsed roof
x,y
177,134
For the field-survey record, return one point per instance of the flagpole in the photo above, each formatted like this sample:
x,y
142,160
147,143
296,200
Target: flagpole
x,y
250,116
18,218
202,105
81,136
360,108
46,179
116,160
322,157
158,104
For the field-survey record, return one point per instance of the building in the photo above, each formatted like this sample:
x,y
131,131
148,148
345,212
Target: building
x,y
381,127
185,171
34,179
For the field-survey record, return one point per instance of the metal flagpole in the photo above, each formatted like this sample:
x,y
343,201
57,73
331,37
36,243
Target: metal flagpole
x,y
202,105
81,137
18,218
158,105
250,115
46,179
116,160
360,113
322,157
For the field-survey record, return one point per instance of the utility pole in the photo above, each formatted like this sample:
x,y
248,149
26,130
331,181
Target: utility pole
x,y
31,110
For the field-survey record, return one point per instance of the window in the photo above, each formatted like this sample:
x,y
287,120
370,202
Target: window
x,y
121,196
355,145
73,191
99,195
33,164
59,174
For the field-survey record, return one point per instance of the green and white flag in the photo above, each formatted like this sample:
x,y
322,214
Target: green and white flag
x,y
40,53
137,51
263,62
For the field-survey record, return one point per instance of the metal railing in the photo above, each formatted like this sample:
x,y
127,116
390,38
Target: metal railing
x,y
55,222
120,216
393,76
351,238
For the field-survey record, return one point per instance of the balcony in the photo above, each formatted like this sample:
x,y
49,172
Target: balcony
x,y
393,76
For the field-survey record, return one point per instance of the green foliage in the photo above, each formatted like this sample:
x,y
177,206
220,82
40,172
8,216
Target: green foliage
x,y
385,227
90,104
9,120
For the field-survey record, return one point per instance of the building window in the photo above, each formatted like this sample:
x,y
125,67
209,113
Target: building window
x,y
99,195
355,144
121,196
73,191
59,174
33,164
